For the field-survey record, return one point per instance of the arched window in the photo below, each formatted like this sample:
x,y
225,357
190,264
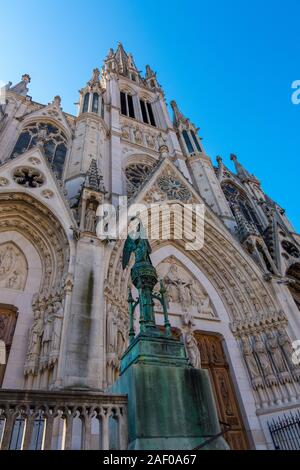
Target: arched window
x,y
102,107
86,103
136,174
188,142
196,141
95,104
54,143
127,104
147,112
235,197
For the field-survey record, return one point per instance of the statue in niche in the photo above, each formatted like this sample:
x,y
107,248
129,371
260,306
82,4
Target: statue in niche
x,y
35,333
260,350
150,140
272,346
138,136
111,331
250,359
57,319
161,140
126,132
90,218
47,334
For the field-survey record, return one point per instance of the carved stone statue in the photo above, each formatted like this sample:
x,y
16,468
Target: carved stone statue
x,y
171,281
286,346
90,218
192,349
260,350
34,342
47,334
57,319
111,331
251,362
138,136
272,346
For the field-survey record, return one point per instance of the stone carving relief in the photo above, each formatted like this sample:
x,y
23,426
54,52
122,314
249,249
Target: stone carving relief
x,y
184,291
141,135
268,356
45,332
13,267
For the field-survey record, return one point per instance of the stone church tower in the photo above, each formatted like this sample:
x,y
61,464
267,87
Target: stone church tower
x,y
63,293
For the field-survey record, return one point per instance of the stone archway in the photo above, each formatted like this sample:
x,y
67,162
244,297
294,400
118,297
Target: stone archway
x,y
34,261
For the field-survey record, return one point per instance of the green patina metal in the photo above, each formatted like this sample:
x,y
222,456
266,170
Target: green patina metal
x,y
144,278
170,404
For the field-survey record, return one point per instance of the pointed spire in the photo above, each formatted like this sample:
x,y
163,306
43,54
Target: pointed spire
x,y
93,178
242,173
178,115
95,77
122,59
57,101
149,72
21,87
245,227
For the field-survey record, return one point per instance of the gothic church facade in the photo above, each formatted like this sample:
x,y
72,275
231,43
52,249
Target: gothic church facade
x,y
63,293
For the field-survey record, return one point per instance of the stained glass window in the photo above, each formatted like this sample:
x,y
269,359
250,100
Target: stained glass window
x,y
86,103
196,141
188,141
95,104
54,143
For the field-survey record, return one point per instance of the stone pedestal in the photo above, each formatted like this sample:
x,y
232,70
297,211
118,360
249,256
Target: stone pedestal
x,y
170,404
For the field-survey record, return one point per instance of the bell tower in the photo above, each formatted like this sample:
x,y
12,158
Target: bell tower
x,y
200,165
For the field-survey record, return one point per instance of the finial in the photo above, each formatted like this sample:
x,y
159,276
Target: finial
x,y
219,159
26,78
57,100
233,157
95,75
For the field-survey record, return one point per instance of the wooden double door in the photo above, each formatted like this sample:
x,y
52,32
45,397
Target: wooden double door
x,y
213,359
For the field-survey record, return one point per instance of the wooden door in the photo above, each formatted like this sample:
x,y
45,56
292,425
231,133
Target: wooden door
x,y
8,319
213,359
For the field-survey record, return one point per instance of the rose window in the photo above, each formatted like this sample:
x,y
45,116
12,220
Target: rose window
x,y
174,188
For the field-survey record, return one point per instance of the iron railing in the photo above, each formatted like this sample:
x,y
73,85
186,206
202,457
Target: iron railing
x,y
285,432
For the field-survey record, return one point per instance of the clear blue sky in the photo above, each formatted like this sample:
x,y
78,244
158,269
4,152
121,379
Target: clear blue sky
x,y
228,63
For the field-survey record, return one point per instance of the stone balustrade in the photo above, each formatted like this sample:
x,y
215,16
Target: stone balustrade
x,y
66,420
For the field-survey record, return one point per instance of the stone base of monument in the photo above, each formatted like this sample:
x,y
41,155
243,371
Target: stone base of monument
x,y
170,404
